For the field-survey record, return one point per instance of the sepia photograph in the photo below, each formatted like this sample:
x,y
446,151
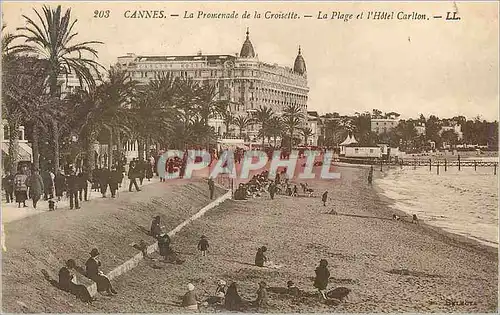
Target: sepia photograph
x,y
249,156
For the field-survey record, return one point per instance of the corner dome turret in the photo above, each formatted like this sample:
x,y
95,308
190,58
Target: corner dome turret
x,y
300,65
247,48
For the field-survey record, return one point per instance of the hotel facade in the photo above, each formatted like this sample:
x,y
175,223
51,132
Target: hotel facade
x,y
242,79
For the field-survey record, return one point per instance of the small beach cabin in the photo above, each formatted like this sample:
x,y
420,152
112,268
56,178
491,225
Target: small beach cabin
x,y
356,151
350,140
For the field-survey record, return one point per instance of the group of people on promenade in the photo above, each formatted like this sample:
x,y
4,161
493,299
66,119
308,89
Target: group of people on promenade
x,y
31,184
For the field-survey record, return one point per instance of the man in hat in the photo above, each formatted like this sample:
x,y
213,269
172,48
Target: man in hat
x,y
73,187
115,178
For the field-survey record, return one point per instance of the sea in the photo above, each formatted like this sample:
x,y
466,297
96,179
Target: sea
x,y
463,202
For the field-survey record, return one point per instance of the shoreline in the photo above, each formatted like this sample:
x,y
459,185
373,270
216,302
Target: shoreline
x,y
437,232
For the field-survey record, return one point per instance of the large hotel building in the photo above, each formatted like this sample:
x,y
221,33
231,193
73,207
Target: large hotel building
x,y
242,79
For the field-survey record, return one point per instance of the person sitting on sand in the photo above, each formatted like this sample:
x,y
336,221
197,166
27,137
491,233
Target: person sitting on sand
x,y
155,230
322,277
164,245
220,291
260,257
190,299
66,282
295,191
262,298
92,269
324,197
292,288
232,300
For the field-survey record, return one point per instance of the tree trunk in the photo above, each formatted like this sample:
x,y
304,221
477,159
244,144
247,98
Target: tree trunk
x,y
88,143
119,147
35,146
147,149
110,149
291,141
140,148
55,132
13,145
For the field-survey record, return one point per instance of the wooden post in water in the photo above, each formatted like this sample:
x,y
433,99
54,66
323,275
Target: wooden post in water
x,y
459,162
445,165
430,165
437,167
475,165
494,169
381,161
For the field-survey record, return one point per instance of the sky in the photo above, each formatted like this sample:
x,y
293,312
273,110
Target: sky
x,y
435,66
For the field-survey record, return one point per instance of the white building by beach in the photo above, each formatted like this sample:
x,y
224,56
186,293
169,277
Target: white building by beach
x,y
381,125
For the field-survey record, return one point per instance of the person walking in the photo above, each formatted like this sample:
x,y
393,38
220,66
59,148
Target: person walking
x,y
104,181
203,245
35,185
324,197
83,186
60,184
141,170
73,188
322,277
8,186
48,185
132,175
20,188
115,178
272,190
211,187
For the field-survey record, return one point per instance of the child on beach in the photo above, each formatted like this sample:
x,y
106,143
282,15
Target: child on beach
x,y
203,245
322,276
324,197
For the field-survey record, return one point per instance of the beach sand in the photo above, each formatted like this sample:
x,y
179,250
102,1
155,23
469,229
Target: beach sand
x,y
390,266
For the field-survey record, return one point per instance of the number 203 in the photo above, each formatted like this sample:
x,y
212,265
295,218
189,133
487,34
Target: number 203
x,y
101,14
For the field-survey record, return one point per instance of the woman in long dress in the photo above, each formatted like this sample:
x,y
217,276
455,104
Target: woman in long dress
x,y
92,265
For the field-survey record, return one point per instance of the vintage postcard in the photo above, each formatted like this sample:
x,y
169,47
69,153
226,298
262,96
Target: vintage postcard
x,y
277,157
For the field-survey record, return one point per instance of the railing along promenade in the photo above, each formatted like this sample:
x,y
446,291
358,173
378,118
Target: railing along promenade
x,y
431,163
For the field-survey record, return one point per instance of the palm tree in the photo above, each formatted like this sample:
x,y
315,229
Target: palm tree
x,y
242,122
154,112
51,39
306,133
274,128
262,116
293,117
117,94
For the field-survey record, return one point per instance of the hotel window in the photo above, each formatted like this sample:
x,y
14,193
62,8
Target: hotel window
x,y
356,150
371,150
